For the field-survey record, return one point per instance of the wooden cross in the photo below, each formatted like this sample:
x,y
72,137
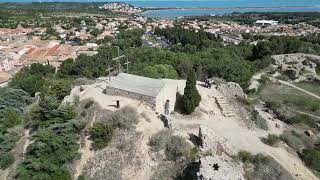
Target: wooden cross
x,y
118,59
127,63
109,70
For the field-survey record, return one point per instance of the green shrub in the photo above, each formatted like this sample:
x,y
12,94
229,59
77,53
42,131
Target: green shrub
x,y
248,158
191,97
302,118
259,121
101,134
312,158
8,140
125,118
260,159
9,120
244,156
61,174
193,154
272,139
176,148
88,104
159,140
15,99
60,88
293,140
6,159
81,177
160,71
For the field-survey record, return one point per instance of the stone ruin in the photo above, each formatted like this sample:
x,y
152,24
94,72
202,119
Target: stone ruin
x,y
232,90
298,67
218,165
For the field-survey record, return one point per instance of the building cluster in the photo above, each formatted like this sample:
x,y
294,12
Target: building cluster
x,y
121,8
23,46
18,53
260,27
19,33
231,32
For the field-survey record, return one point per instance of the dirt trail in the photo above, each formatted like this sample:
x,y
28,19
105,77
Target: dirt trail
x,y
148,125
18,151
298,88
85,151
241,138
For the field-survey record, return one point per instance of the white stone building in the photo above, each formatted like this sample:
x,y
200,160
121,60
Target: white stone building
x,y
266,23
153,92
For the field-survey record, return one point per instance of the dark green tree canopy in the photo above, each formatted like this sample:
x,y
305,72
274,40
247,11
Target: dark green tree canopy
x,y
191,97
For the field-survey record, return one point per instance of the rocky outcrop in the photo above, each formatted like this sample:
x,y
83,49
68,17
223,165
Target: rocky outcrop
x,y
219,168
217,164
232,90
298,67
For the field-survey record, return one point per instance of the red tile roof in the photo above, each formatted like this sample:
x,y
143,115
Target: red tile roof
x,y
52,50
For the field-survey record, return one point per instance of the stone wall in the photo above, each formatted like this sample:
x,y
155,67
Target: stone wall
x,y
150,101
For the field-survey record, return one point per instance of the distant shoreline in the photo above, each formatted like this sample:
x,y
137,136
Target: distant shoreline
x,y
221,8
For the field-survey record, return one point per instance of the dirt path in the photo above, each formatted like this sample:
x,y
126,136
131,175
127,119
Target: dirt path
x,y
148,125
85,151
18,151
308,114
241,138
298,88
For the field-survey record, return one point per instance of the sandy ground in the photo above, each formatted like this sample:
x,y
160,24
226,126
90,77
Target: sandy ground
x,y
233,129
271,121
85,151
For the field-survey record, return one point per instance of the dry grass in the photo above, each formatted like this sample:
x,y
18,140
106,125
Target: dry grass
x,y
109,162
310,86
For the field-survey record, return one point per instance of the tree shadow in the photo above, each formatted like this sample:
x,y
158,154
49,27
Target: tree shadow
x,y
178,107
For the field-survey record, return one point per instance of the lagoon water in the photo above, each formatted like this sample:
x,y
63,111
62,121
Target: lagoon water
x,y
174,13
216,7
223,3
208,7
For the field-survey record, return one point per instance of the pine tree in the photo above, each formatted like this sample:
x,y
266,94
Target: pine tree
x,y
191,97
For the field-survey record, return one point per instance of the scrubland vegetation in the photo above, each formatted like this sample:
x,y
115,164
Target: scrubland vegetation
x,y
299,111
177,151
12,103
260,166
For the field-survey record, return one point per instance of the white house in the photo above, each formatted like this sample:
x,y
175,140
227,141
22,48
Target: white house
x,y
266,23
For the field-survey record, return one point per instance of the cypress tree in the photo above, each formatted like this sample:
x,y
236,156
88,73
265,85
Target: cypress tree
x,y
191,97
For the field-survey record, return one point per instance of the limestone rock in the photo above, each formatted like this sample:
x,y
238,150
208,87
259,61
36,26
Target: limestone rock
x,y
219,168
232,89
298,67
210,142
